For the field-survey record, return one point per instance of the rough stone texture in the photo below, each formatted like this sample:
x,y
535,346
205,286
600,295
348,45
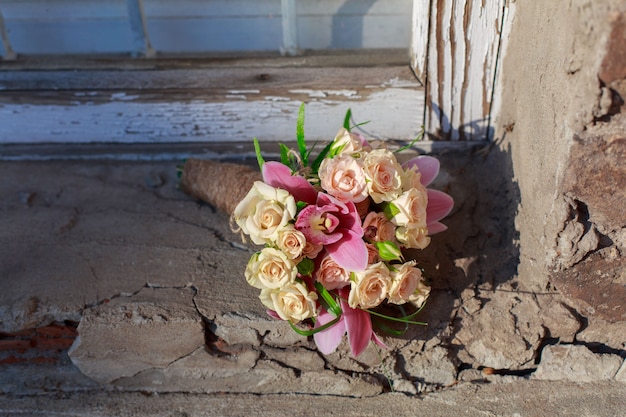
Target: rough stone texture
x,y
560,110
576,363
523,399
128,335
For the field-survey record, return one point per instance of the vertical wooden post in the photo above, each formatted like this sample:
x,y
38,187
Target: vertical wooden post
x,y
290,27
458,68
8,53
141,40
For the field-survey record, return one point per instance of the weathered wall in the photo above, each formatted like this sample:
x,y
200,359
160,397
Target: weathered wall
x,y
561,86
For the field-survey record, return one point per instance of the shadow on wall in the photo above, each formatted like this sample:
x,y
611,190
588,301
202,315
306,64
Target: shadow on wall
x,y
479,251
350,36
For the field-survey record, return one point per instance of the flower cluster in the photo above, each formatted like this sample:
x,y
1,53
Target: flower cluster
x,y
333,231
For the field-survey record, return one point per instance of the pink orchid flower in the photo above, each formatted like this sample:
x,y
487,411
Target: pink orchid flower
x,y
279,175
439,203
337,226
353,321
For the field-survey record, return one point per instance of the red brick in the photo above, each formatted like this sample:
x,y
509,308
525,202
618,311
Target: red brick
x,y
11,360
15,344
43,343
56,331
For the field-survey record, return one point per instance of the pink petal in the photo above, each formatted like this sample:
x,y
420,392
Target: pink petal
x,y
436,227
439,206
378,341
350,252
328,340
279,176
427,166
358,327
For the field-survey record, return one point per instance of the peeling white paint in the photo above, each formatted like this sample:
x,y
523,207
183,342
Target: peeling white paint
x,y
123,96
244,92
391,112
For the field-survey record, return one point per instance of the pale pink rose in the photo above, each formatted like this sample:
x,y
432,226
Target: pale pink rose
x,y
413,236
311,251
370,287
264,211
407,285
270,268
411,207
343,178
372,254
331,275
293,302
377,228
291,241
384,175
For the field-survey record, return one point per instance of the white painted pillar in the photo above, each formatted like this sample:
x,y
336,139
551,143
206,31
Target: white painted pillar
x,y
290,27
141,40
7,53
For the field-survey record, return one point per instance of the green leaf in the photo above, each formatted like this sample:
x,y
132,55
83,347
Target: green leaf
x,y
417,139
332,305
318,161
398,319
284,154
306,267
316,330
300,135
346,120
300,205
388,251
257,150
390,210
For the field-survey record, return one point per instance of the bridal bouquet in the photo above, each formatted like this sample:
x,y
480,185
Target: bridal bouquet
x,y
333,229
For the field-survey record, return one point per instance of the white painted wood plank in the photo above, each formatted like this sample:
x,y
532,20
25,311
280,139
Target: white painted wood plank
x,y
126,118
419,37
137,20
6,51
70,37
462,54
353,32
290,28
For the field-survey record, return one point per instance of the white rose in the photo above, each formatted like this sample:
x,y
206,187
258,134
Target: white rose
x,y
293,302
370,287
343,177
264,211
407,285
384,175
270,268
291,241
413,236
411,207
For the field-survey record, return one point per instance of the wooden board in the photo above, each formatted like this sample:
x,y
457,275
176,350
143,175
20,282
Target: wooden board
x,y
207,105
460,63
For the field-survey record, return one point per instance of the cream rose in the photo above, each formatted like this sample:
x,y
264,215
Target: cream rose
x,y
264,211
372,254
411,207
331,275
413,236
343,178
270,268
384,175
370,287
411,179
407,285
291,241
293,302
346,142
377,228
